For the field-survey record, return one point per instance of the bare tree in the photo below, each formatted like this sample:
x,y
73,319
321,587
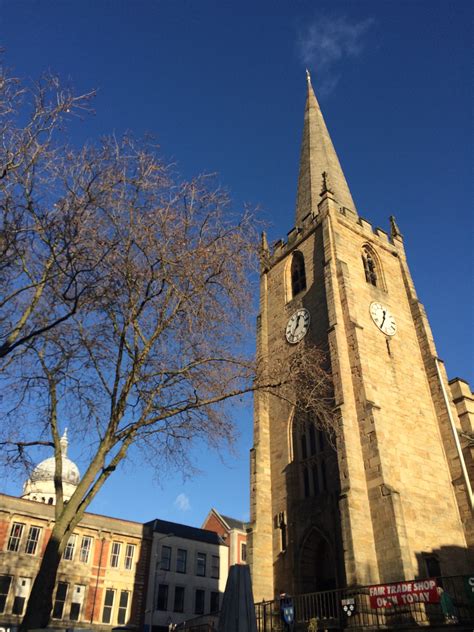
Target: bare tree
x,y
42,249
127,293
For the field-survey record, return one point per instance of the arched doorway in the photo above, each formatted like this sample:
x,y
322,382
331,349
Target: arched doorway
x,y
317,564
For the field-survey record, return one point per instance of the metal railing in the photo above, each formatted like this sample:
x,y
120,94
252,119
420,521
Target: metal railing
x,y
324,610
203,623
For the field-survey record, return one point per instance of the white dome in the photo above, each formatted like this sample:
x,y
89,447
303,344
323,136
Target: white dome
x,y
45,471
40,485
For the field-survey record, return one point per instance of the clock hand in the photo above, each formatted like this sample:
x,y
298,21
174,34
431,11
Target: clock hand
x,y
297,322
383,319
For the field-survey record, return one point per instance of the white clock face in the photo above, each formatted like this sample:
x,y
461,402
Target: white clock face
x,y
297,326
383,318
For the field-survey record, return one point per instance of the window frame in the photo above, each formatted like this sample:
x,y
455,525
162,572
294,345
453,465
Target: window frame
x,y
80,603
201,563
215,568
122,610
110,607
182,590
297,273
70,548
59,602
165,561
4,595
115,551
14,540
87,549
202,592
178,560
129,556
32,541
162,596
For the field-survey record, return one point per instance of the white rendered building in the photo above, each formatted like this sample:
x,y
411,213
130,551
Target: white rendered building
x,y
188,574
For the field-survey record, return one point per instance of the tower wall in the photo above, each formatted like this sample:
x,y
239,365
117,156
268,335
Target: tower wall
x,y
397,499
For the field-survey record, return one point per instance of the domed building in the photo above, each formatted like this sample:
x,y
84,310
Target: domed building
x,y
40,485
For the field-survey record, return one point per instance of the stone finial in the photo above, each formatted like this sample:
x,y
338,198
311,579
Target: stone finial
x,y
394,230
264,253
64,443
308,77
326,187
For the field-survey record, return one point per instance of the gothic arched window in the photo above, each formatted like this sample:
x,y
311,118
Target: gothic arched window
x,y
310,457
298,274
372,275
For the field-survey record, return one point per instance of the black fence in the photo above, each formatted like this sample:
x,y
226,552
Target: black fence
x,y
351,609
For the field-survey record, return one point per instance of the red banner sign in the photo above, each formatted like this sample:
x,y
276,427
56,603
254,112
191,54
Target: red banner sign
x,y
403,593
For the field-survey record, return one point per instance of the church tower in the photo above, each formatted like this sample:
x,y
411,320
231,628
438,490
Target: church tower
x,y
393,499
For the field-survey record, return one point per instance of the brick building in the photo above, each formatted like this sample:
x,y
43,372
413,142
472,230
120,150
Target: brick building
x,y
113,572
104,568
394,499
233,532
101,576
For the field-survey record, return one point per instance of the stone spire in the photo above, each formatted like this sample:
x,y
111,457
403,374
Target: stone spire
x,y
317,156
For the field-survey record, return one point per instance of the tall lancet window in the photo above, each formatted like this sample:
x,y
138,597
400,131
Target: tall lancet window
x,y
370,266
310,456
298,274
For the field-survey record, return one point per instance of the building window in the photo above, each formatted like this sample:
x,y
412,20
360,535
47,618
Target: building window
x,y
280,523
123,606
165,563
306,482
243,552
15,537
18,605
32,540
201,564
22,591
162,603
315,479
215,567
129,555
86,544
108,605
76,602
5,583
75,611
370,266
178,599
311,451
60,600
214,601
199,602
115,554
324,484
69,550
298,275
304,451
181,558
312,439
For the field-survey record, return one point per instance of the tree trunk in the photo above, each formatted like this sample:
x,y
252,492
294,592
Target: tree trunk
x,y
40,602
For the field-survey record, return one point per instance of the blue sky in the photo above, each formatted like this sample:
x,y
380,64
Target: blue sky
x,y
221,86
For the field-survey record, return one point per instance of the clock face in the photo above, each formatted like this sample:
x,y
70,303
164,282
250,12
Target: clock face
x,y
383,318
297,326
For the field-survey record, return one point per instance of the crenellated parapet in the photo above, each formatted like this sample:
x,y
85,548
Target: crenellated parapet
x,y
393,241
